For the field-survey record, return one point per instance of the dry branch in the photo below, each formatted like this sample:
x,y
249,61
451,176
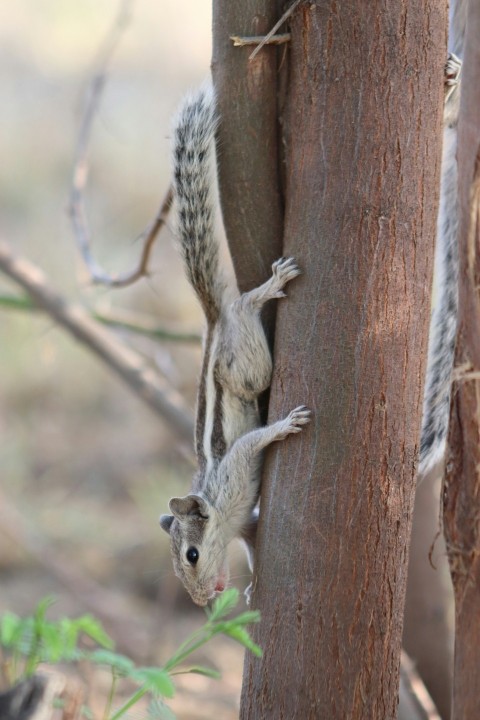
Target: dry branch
x,y
265,40
121,319
81,168
239,41
130,366
415,701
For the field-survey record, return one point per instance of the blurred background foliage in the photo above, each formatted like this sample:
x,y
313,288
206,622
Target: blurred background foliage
x,y
86,467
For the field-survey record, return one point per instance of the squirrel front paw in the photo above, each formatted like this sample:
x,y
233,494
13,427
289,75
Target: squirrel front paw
x,y
283,270
453,68
294,421
299,417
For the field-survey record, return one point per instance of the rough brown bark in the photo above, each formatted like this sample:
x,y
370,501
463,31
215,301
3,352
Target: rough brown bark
x,y
462,484
364,127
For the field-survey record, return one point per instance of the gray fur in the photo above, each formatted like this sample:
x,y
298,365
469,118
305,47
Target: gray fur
x,y
443,323
458,26
193,135
236,368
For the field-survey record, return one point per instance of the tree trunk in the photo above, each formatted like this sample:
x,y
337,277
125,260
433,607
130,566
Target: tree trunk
x,y
363,122
253,216
462,484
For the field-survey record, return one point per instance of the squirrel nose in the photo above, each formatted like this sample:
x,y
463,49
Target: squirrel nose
x,y
220,586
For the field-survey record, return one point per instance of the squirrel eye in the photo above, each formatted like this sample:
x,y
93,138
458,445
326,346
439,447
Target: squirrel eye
x,y
192,555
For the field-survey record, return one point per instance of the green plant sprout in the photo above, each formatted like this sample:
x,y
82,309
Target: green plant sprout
x,y
27,642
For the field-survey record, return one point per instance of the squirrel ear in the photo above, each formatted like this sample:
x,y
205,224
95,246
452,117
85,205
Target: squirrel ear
x,y
166,522
189,505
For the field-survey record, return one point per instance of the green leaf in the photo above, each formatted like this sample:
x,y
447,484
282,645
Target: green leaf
x,y
94,630
121,664
41,609
155,680
69,634
40,612
242,636
200,670
157,710
10,629
245,618
53,646
25,637
223,604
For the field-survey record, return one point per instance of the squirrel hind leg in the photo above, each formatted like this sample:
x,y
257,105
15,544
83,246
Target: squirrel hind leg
x,y
244,362
283,270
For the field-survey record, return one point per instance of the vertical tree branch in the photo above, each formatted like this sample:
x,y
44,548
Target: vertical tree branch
x,y
462,484
364,112
248,167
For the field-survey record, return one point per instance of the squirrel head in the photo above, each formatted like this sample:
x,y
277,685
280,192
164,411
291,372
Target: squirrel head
x,y
198,545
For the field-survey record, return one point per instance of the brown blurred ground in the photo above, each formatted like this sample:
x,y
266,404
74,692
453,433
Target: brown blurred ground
x,y
88,467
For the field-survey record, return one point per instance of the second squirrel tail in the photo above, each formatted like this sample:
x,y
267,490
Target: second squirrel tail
x,y
443,324
194,131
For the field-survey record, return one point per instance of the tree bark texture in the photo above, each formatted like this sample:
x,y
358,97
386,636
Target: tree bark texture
x,y
462,483
363,135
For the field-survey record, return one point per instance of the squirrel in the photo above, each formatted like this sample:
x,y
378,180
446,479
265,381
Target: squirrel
x,y
236,369
237,365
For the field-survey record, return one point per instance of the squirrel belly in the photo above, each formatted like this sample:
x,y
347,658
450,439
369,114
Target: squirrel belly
x,y
236,368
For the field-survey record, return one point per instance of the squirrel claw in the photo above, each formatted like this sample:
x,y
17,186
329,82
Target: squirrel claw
x,y
297,418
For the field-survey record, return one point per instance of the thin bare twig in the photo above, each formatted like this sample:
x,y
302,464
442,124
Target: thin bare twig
x,y
80,173
118,319
130,366
274,29
415,701
242,41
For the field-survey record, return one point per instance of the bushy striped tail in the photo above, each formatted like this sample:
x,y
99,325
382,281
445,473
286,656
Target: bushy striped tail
x,y
194,131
